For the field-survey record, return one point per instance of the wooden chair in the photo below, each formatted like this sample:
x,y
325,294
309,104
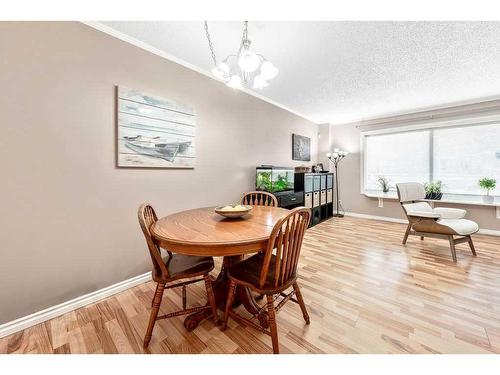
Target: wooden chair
x,y
259,198
173,267
273,271
439,222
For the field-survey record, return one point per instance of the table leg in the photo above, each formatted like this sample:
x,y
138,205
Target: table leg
x,y
243,297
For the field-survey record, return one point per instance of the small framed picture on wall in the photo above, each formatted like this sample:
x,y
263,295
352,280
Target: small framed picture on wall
x,y
301,148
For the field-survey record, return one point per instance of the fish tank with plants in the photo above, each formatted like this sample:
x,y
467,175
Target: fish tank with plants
x,y
274,179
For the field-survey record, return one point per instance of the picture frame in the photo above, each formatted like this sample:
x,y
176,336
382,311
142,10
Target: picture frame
x,y
152,132
301,148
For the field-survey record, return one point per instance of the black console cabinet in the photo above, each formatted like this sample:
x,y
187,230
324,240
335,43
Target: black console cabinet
x,y
317,192
289,199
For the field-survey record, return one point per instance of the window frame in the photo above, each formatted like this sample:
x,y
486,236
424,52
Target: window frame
x,y
427,124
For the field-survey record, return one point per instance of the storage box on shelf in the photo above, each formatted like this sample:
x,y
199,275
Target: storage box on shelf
x,y
317,190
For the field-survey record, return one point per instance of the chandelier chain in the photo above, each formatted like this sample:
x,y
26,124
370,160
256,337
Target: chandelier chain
x,y
210,43
244,37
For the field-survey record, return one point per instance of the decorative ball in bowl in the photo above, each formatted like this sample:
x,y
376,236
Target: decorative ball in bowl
x,y
233,211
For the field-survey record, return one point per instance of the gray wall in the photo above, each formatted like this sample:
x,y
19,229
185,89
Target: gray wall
x,y
347,137
68,223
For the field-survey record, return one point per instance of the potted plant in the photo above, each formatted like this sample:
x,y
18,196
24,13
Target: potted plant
x,y
487,184
433,190
384,183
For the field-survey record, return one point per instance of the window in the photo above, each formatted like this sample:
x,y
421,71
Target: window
x,y
400,157
458,156
464,155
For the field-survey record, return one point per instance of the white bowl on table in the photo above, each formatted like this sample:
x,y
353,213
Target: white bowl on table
x,y
233,211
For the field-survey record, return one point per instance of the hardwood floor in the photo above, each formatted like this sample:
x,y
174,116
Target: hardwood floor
x,y
365,292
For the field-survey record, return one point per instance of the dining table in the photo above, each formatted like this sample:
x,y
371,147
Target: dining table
x,y
203,232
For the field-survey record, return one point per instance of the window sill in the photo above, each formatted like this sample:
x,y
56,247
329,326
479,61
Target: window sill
x,y
474,200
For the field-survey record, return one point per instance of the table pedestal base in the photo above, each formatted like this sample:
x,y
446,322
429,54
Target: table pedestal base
x,y
221,286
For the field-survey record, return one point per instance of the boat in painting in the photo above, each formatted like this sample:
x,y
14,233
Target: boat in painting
x,y
156,147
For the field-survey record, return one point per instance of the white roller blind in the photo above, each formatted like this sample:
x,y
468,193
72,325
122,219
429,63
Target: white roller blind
x,y
463,155
400,157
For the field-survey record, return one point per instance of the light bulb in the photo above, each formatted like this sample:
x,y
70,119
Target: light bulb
x,y
259,83
335,150
328,154
248,61
235,82
335,155
268,70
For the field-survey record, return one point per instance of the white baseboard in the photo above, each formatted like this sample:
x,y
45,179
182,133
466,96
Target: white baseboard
x,y
373,217
54,311
489,232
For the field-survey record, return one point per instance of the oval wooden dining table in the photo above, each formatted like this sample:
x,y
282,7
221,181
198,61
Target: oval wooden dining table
x,y
202,232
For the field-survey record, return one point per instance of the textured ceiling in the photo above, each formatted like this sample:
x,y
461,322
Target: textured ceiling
x,y
346,71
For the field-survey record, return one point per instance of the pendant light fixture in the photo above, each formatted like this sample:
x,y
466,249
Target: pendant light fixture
x,y
245,68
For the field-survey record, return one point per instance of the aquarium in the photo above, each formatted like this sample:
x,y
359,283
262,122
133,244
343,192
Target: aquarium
x,y
273,179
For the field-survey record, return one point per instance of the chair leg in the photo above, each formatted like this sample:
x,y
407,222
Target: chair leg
x,y
156,291
154,313
184,297
211,297
272,323
471,245
421,238
229,302
301,303
452,247
408,228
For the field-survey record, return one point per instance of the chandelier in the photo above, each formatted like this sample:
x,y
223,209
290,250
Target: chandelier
x,y
244,68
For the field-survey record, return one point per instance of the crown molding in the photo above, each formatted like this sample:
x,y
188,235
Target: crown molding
x,y
147,47
473,107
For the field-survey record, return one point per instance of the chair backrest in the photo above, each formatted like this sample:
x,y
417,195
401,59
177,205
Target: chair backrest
x,y
410,191
259,198
286,238
147,217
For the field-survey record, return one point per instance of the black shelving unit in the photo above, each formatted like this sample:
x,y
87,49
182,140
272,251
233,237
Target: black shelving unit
x,y
317,190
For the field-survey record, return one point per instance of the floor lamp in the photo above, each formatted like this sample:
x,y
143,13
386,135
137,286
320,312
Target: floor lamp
x,y
335,157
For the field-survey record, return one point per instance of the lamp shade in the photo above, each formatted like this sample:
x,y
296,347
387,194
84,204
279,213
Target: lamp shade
x,y
248,61
268,70
235,82
259,83
221,71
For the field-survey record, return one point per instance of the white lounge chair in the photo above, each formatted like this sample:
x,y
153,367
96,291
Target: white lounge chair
x,y
439,222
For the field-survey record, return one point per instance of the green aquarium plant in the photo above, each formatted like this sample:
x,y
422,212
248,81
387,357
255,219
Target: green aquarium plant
x,y
433,190
280,184
264,181
487,184
384,183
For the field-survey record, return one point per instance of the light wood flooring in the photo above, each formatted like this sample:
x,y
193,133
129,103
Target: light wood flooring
x,y
366,293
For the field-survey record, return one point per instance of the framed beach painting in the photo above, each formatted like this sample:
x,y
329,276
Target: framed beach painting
x,y
301,148
153,132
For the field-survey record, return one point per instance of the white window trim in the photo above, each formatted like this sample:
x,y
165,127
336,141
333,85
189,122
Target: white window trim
x,y
454,123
